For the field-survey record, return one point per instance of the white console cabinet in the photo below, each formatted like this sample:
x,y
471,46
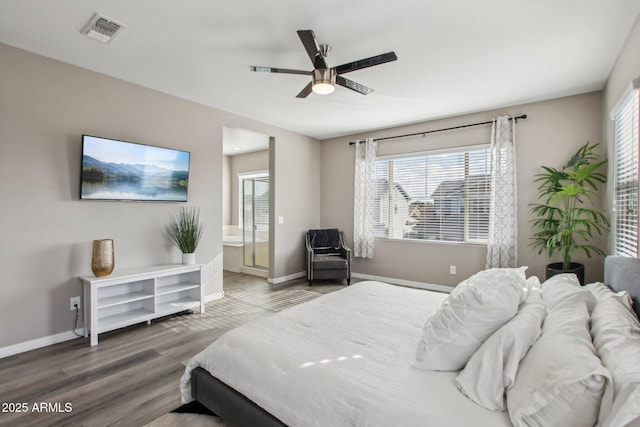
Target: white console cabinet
x,y
139,295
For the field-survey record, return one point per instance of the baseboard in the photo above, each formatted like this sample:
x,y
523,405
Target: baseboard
x,y
401,282
63,336
278,280
39,342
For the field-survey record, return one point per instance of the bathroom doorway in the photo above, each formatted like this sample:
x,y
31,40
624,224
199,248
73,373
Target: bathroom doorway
x,y
245,207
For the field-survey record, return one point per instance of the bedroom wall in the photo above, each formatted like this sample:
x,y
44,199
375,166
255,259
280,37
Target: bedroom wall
x,y
625,69
295,179
552,132
45,107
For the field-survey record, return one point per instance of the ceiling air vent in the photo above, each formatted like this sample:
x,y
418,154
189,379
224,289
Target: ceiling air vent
x,y
102,29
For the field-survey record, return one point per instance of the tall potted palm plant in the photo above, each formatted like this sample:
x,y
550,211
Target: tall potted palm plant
x,y
563,222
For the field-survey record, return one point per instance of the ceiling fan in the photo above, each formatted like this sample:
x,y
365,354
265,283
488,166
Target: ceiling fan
x,y
323,78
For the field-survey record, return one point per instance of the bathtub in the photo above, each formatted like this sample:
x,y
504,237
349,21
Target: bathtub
x,y
233,241
233,253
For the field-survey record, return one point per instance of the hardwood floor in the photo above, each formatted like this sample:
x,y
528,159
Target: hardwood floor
x,y
131,377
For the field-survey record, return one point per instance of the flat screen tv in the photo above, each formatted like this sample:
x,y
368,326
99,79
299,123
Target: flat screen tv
x,y
120,170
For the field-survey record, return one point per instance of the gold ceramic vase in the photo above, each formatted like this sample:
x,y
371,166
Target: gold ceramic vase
x,y
102,260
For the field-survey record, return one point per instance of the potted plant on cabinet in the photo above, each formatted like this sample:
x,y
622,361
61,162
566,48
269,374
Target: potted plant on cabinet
x,y
184,230
563,223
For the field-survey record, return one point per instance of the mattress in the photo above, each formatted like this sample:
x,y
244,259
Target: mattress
x,y
343,359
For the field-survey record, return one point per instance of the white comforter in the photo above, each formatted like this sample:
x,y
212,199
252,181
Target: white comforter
x,y
343,359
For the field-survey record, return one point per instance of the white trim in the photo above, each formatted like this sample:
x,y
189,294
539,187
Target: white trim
x,y
10,350
401,282
22,347
635,85
254,174
452,150
278,280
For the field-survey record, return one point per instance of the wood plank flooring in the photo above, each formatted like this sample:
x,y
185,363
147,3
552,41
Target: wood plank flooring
x,y
131,377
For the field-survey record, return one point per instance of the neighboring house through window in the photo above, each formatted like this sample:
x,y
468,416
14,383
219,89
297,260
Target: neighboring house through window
x,y
437,195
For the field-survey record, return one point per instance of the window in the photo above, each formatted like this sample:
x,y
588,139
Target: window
x,y
437,195
626,176
253,201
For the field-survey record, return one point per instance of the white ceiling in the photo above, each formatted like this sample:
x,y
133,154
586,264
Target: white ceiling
x,y
454,57
240,141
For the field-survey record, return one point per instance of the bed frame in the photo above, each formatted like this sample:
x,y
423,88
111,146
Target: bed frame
x,y
620,274
227,403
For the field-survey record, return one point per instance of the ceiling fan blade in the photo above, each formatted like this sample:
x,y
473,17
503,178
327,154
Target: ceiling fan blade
x,y
350,84
309,42
306,91
364,63
278,70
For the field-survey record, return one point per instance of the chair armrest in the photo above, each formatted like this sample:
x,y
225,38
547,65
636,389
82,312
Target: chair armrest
x,y
345,252
309,248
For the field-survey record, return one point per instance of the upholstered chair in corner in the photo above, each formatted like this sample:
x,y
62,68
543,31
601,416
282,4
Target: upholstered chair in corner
x,y
327,255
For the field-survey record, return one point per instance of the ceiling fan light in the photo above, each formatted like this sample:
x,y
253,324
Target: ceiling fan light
x,y
322,88
323,81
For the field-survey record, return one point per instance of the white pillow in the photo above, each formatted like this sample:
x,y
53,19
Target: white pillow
x,y
616,336
600,291
560,382
492,369
470,314
559,287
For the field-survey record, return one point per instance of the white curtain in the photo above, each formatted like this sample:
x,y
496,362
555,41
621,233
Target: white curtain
x,y
365,186
503,236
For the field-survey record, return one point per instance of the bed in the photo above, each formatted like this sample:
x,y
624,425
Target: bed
x,y
349,358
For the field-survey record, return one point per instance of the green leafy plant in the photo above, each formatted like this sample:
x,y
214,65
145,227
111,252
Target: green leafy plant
x,y
184,229
563,223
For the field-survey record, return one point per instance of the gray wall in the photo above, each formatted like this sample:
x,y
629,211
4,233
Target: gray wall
x,y
551,133
295,179
45,107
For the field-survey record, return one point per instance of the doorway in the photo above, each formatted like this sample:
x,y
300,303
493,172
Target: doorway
x,y
245,202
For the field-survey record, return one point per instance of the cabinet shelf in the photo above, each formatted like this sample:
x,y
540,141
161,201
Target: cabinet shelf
x,y
177,305
123,299
139,295
165,290
115,321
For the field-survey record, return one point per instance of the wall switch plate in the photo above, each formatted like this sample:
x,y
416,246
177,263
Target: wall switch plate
x,y
452,269
73,301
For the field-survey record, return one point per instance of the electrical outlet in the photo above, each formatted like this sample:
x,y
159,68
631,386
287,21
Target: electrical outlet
x,y
452,269
73,301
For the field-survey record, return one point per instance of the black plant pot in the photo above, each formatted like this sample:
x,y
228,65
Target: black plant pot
x,y
575,267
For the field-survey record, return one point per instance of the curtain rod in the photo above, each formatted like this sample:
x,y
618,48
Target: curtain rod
x,y
524,116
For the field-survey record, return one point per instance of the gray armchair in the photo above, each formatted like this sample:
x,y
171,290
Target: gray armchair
x,y
327,255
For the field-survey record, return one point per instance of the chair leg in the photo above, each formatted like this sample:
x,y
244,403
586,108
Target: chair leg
x,y
348,281
310,282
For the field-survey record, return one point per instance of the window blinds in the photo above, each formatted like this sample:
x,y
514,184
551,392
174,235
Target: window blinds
x,y
439,195
626,176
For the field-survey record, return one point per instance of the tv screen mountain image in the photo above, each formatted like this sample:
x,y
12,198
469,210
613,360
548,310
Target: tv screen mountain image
x,y
120,170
